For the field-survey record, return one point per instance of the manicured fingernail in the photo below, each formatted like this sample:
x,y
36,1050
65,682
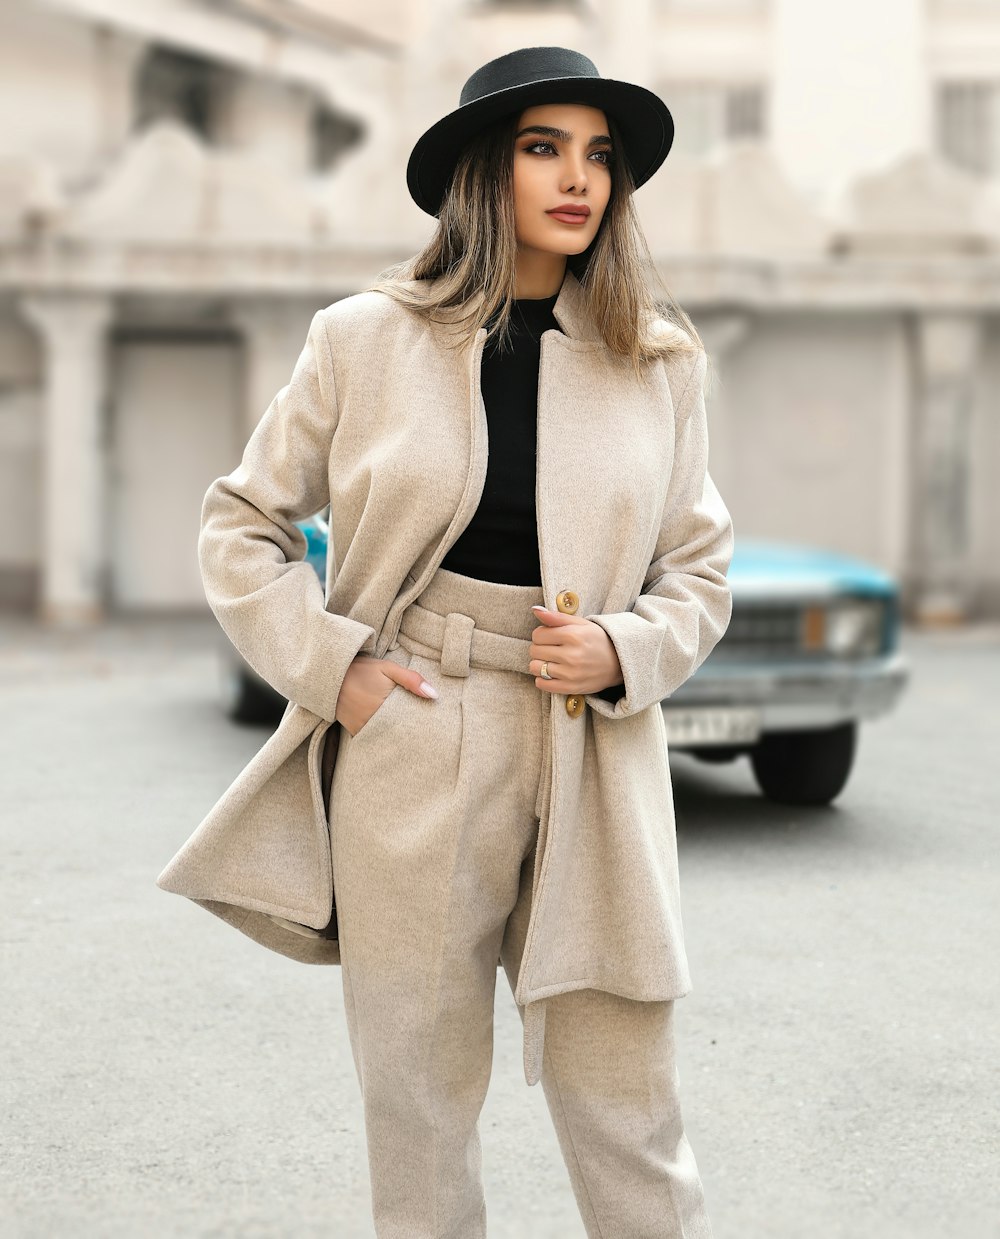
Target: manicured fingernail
x,y
428,689
538,608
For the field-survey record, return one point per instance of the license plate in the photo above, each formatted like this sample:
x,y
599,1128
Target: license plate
x,y
711,725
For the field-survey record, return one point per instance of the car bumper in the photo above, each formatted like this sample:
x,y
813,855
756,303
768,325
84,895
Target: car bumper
x,y
789,696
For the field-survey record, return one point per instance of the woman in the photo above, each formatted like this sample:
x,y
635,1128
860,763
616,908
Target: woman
x,y
474,748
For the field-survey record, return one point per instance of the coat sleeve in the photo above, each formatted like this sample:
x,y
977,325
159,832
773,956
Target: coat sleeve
x,y
686,604
268,600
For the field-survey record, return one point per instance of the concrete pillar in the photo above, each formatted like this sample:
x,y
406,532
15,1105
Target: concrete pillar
x,y
947,347
74,537
722,335
274,334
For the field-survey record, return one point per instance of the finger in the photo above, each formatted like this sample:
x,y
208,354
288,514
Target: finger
x,y
554,686
545,647
411,680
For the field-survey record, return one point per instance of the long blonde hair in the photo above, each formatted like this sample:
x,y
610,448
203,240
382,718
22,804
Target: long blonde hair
x,y
472,256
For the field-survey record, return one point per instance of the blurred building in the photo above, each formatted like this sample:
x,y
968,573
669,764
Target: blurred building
x,y
182,185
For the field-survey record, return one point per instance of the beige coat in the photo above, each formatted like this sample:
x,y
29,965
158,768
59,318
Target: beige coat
x,y
387,424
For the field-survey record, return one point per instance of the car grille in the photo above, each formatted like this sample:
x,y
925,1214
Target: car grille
x,y
775,631
771,630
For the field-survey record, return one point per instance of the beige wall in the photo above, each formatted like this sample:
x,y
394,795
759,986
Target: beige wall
x,y
810,408
814,421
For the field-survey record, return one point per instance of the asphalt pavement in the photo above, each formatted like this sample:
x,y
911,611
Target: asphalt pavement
x,y
161,1075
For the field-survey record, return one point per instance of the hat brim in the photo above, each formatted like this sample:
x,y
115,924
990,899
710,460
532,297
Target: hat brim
x,y
643,119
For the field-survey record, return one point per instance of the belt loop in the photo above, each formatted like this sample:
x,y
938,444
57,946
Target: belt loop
x,y
456,643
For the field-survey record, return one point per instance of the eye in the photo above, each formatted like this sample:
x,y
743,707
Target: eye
x,y
607,160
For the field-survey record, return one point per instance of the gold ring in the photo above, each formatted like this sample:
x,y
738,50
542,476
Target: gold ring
x,y
545,672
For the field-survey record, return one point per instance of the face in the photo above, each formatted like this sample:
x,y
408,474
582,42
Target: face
x,y
568,162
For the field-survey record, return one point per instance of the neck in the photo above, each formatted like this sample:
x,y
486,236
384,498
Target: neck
x,y
538,273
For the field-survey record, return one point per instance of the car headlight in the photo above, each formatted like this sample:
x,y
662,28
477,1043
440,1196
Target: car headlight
x,y
853,628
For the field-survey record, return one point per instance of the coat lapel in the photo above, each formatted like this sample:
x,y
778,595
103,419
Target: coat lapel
x,y
605,446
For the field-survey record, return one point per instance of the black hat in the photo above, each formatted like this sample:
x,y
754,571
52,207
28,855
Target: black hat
x,y
521,79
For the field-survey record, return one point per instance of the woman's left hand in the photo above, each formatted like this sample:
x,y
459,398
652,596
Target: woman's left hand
x,y
581,656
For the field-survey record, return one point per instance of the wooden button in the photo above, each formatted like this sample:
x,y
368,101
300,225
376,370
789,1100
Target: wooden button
x,y
575,705
567,601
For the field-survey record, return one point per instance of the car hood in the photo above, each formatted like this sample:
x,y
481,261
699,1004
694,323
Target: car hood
x,y
771,568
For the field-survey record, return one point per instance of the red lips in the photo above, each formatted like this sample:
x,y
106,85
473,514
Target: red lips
x,y
570,208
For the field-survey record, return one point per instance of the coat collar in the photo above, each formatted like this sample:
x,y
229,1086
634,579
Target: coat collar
x,y
570,311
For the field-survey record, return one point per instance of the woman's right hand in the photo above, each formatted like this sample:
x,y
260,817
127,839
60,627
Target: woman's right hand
x,y
367,683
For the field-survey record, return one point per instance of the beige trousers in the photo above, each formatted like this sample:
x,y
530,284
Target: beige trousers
x,y
434,810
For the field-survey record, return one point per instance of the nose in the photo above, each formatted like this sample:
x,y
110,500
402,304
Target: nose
x,y
576,175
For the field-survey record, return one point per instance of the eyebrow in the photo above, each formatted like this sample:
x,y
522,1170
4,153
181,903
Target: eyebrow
x,y
563,135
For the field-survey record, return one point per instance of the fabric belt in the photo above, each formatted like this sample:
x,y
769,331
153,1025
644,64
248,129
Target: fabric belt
x,y
459,643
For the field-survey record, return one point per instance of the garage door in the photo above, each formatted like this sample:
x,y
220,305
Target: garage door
x,y
174,427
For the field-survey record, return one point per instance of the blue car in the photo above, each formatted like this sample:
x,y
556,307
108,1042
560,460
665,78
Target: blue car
x,y
811,650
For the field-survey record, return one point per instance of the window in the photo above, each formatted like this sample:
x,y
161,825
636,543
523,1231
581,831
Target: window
x,y
182,86
330,135
967,125
706,113
744,112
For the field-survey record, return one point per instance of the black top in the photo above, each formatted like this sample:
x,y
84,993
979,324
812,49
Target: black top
x,y
500,543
